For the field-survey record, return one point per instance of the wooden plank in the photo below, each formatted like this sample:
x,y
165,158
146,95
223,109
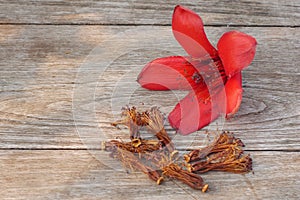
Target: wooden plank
x,y
255,12
77,175
42,67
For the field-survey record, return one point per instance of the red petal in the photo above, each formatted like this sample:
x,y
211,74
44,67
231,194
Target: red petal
x,y
193,112
236,51
234,91
189,32
167,73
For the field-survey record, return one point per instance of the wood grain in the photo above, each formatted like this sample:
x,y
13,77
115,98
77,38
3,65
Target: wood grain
x,y
153,12
40,66
67,68
75,174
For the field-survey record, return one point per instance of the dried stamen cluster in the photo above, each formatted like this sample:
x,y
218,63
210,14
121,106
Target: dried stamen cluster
x,y
133,120
135,146
154,157
159,159
151,119
154,120
131,161
193,180
224,154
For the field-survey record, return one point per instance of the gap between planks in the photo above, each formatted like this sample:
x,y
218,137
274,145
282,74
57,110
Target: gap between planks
x,y
134,25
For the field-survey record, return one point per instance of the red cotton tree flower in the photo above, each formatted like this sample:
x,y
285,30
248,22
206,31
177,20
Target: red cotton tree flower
x,y
213,76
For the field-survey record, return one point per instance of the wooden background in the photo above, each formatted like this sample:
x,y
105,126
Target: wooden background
x,y
55,108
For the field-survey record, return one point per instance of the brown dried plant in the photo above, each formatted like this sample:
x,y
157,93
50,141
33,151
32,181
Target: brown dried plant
x,y
193,180
150,157
155,124
224,154
129,160
134,146
222,142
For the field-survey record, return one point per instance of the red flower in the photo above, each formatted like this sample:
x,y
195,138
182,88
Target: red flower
x,y
212,76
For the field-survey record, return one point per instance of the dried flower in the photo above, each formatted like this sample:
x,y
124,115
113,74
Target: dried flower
x,y
224,154
132,119
129,160
135,146
224,141
194,181
154,120
223,161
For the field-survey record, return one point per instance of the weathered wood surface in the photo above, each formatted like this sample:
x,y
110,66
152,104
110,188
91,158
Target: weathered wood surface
x,y
39,65
54,106
75,174
255,12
